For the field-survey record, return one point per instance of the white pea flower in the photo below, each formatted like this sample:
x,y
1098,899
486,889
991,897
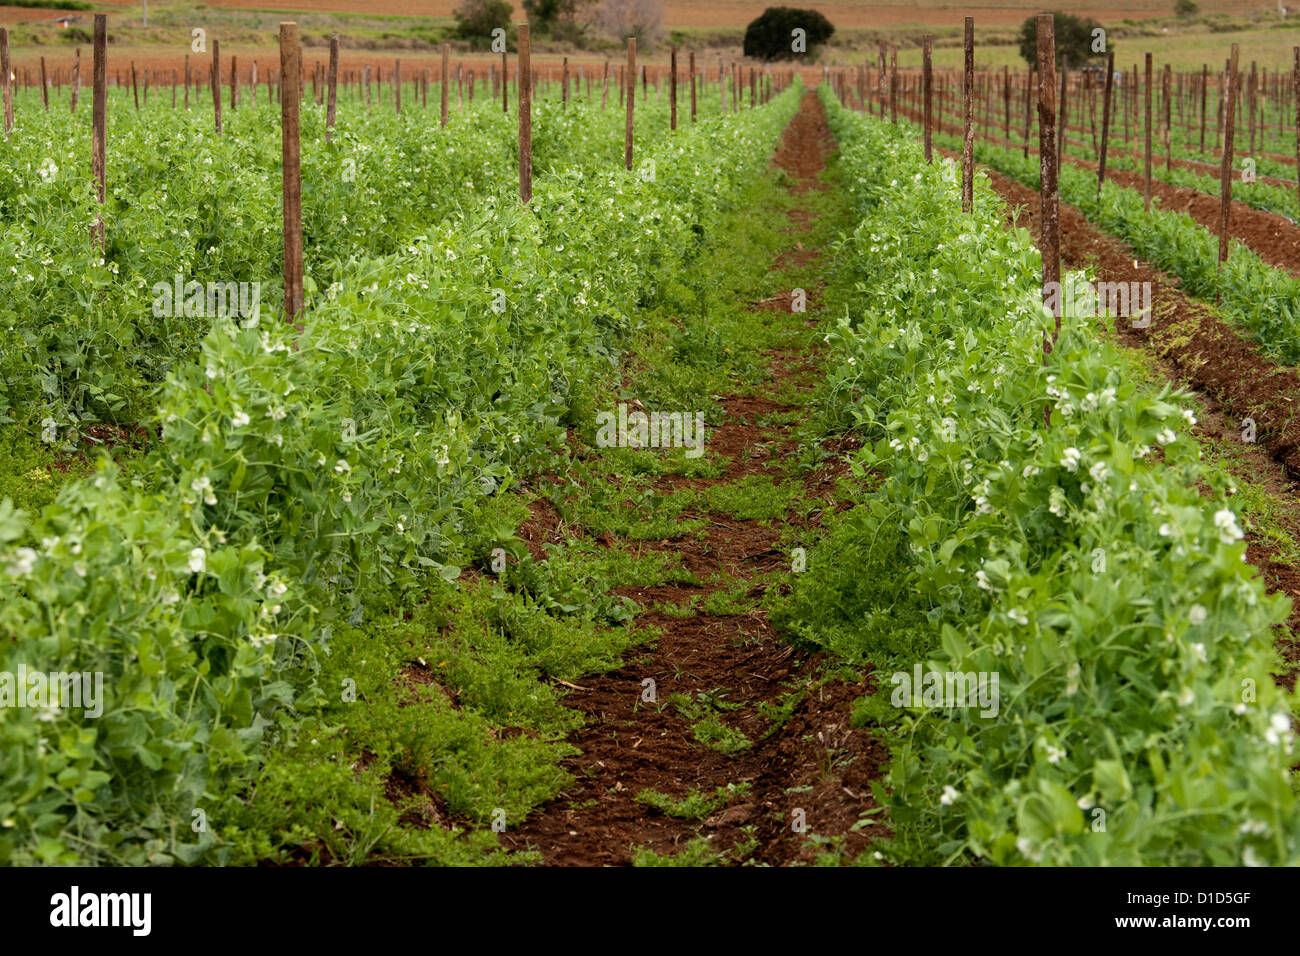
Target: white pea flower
x,y
1196,616
1056,502
203,486
24,562
198,561
1072,680
1070,460
949,795
1226,524
1028,850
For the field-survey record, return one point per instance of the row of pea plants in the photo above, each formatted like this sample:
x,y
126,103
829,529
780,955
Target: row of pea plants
x,y
300,470
1094,565
1257,194
85,337
1262,299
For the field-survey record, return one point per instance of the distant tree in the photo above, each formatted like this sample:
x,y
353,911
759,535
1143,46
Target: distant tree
x,y
476,19
772,37
1186,8
561,19
1074,38
643,19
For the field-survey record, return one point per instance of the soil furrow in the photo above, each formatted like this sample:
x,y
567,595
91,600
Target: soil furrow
x,y
731,670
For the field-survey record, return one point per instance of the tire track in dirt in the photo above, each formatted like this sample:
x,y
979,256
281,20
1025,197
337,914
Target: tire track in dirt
x,y
629,746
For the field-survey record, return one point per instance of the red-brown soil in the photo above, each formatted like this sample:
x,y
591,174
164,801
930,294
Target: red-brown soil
x,y
815,762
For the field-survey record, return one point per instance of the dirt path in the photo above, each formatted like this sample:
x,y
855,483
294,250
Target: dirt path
x,y
732,671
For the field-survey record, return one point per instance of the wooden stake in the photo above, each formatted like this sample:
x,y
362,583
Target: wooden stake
x,y
672,90
1105,118
927,80
692,69
216,82
1146,182
1225,168
968,131
331,107
1205,83
1295,92
1029,101
631,97
893,84
99,126
446,74
290,74
1049,202
525,89
6,83
1006,104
